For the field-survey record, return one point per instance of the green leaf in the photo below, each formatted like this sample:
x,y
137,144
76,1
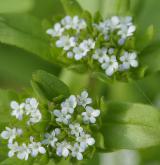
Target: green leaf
x,y
10,6
130,126
10,161
143,40
49,85
72,7
25,32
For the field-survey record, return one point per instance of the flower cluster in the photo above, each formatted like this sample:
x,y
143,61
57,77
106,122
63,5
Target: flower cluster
x,y
106,43
67,132
70,138
29,107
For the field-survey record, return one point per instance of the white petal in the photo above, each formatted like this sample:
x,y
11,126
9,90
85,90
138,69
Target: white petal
x,y
96,113
42,150
90,141
79,156
14,105
10,154
92,120
5,134
110,71
65,152
134,63
78,57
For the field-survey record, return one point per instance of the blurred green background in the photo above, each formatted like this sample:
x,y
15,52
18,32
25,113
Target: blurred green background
x,y
17,65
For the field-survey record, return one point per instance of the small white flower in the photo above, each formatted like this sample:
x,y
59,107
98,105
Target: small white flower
x,y
73,23
83,99
101,55
63,149
77,151
11,134
70,54
13,149
76,129
31,105
78,24
85,140
23,152
50,138
56,31
103,27
79,52
35,117
110,66
69,104
36,147
67,22
66,42
128,60
17,109
87,44
126,28
114,22
90,115
62,116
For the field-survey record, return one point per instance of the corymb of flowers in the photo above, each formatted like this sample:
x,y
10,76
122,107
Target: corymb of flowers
x,y
68,132
104,45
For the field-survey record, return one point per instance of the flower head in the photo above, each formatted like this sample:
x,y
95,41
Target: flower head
x,y
11,134
17,109
77,151
110,65
63,149
128,60
36,147
83,99
23,152
90,115
50,138
76,129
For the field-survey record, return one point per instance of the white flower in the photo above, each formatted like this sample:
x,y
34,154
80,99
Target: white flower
x,y
23,152
31,105
87,44
50,138
35,117
78,24
69,104
103,27
100,55
10,134
77,151
62,116
114,22
85,140
110,66
17,109
76,129
73,23
66,42
70,54
13,149
128,60
36,147
79,52
56,31
67,22
63,149
83,99
126,28
90,115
